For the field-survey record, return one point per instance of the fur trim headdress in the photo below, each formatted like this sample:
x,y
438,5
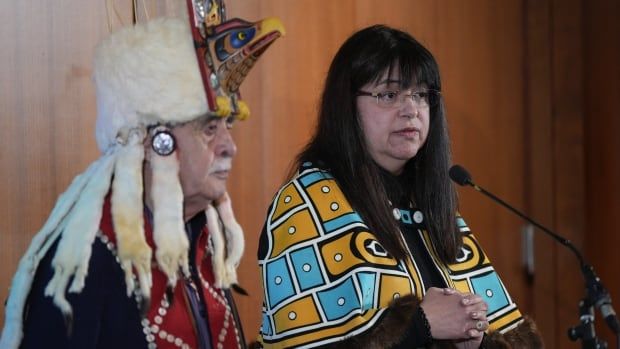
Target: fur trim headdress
x,y
149,77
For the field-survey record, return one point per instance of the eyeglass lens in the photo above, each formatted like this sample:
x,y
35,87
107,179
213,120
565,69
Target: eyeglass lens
x,y
422,99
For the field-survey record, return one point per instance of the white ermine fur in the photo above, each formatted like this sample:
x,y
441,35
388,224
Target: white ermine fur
x,y
41,242
225,263
172,244
218,243
75,246
235,242
128,214
147,74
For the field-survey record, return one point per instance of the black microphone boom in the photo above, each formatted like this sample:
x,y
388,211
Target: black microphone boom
x,y
460,175
597,294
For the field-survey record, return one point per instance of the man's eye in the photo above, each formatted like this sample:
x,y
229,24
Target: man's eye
x,y
211,127
230,121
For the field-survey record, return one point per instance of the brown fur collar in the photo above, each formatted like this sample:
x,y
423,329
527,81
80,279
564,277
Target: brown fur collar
x,y
524,336
392,329
388,332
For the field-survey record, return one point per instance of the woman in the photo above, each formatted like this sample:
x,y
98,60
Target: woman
x,y
363,246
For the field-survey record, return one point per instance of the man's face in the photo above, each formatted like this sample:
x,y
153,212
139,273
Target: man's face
x,y
205,150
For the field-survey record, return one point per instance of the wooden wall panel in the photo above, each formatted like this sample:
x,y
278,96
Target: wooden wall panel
x,y
568,153
601,47
46,113
539,168
572,112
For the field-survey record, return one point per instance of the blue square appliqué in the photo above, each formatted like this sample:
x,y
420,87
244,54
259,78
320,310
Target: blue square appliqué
x,y
339,301
279,283
307,269
489,287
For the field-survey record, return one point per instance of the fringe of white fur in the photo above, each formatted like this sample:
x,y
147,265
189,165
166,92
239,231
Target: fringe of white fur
x,y
171,241
224,265
128,212
56,224
75,246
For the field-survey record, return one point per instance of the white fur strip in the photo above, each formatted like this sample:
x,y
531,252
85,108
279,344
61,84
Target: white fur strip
x,y
22,281
225,263
75,246
235,242
128,215
170,238
218,243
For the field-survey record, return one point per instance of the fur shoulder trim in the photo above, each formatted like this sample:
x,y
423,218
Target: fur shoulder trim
x,y
389,331
524,336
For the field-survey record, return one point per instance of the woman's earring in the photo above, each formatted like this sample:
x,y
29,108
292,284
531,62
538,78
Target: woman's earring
x,y
162,141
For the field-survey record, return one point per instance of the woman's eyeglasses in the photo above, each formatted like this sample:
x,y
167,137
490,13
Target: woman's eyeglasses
x,y
395,99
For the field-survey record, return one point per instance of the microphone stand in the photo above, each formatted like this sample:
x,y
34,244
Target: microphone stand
x,y
585,329
596,294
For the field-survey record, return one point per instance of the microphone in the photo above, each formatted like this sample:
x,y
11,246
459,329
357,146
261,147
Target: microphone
x,y
460,175
596,292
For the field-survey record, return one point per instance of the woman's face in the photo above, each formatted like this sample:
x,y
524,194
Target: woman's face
x,y
393,134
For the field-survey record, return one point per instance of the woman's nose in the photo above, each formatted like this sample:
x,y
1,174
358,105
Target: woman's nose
x,y
408,107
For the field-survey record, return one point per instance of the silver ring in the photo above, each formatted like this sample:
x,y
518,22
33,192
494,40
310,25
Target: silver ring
x,y
479,325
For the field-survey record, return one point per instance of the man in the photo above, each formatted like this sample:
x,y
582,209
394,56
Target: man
x,y
141,250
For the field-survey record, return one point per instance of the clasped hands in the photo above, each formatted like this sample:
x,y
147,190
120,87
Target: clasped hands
x,y
455,315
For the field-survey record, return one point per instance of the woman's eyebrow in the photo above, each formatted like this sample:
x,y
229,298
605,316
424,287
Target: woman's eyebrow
x,y
388,81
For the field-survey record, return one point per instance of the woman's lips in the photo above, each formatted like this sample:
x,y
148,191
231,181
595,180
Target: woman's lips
x,y
408,132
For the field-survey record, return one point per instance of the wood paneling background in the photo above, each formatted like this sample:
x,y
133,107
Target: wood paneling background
x,y
601,95
533,96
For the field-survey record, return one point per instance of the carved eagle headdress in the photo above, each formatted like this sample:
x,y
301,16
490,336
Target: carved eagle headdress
x,y
148,77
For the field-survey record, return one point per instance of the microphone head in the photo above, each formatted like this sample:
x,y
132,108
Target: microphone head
x,y
460,175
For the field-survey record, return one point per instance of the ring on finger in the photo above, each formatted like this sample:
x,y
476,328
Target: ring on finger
x,y
480,325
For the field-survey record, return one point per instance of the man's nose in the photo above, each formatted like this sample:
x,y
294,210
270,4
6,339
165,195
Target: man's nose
x,y
224,144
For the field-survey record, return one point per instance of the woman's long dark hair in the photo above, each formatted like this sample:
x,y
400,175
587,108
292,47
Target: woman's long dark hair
x,y
339,142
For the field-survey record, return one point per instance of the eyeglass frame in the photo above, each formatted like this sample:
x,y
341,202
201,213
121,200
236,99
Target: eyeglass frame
x,y
376,95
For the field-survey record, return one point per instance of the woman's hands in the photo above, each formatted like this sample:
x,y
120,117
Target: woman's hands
x,y
457,316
